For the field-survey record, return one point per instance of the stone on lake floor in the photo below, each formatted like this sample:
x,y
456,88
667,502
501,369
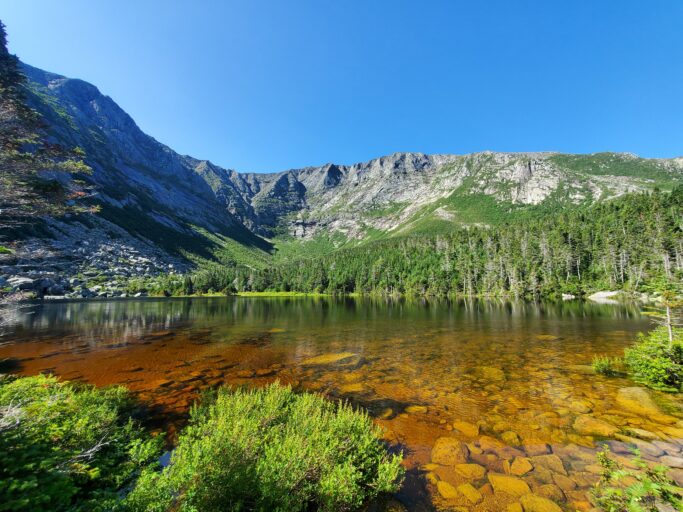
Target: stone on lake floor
x,y
493,445
550,491
535,447
580,407
564,482
446,490
354,387
339,357
469,429
638,401
416,409
470,471
448,451
551,462
265,372
511,438
246,374
514,507
508,484
489,373
472,494
592,426
534,503
520,466
672,462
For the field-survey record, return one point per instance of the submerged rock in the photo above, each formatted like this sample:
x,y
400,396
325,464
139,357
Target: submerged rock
x,y
448,451
469,429
520,466
509,485
489,373
472,494
446,490
591,426
471,471
340,357
534,503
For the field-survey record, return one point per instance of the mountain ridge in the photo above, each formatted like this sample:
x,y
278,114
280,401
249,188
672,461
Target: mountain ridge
x,y
191,207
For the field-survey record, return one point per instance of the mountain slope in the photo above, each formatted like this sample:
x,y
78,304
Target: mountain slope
x,y
184,208
142,186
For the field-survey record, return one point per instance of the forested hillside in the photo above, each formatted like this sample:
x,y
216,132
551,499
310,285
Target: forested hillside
x,y
625,244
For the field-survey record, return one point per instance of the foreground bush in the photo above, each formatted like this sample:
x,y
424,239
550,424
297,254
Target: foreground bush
x,y
656,361
271,449
65,446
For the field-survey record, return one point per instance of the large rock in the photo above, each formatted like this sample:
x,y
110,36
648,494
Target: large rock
x,y
21,283
638,401
333,358
472,494
508,484
518,467
551,462
591,426
446,490
448,451
533,503
471,471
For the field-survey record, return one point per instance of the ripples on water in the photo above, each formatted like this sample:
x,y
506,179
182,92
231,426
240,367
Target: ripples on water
x,y
498,381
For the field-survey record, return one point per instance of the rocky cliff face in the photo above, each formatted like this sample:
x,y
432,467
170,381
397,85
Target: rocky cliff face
x,y
171,201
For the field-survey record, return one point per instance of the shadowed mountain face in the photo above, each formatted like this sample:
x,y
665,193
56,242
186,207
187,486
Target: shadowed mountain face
x,y
178,203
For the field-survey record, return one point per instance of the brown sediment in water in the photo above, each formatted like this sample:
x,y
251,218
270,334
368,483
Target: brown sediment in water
x,y
491,403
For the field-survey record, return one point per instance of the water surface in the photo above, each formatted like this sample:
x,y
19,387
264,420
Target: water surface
x,y
498,381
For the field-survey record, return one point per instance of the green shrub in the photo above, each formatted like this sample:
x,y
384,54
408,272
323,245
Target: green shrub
x,y
271,449
643,489
607,365
657,362
67,447
5,250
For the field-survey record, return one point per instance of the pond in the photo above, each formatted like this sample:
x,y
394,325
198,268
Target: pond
x,y
497,395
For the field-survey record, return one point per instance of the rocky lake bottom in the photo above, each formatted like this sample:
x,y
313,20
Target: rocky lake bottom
x,y
494,405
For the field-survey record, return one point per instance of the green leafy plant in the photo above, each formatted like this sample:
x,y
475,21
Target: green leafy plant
x,y
644,489
608,366
656,361
65,446
271,449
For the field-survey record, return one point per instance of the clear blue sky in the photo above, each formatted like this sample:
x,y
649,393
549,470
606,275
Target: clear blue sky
x,y
265,86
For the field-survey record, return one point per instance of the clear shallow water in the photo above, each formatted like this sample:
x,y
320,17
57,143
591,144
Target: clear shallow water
x,y
506,380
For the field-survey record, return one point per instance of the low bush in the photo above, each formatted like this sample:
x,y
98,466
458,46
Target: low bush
x,y
656,361
271,449
608,366
643,489
65,446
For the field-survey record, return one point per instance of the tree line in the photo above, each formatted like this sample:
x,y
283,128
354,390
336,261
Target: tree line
x,y
625,243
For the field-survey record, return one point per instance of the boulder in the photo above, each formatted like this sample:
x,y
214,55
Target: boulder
x,y
469,429
672,462
509,485
333,358
489,373
638,401
448,451
21,283
591,426
471,471
551,462
446,490
472,494
534,503
520,466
